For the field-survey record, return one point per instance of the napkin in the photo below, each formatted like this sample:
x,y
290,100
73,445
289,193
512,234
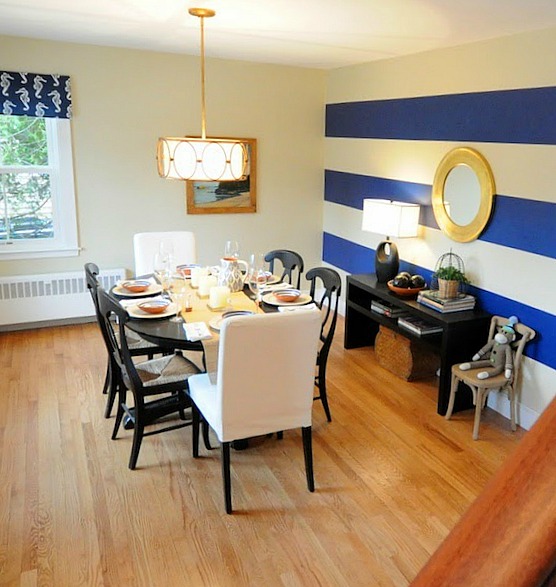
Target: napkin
x,y
276,286
311,306
196,331
135,301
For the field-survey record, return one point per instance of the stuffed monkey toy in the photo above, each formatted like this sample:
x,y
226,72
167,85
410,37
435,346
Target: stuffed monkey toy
x,y
498,353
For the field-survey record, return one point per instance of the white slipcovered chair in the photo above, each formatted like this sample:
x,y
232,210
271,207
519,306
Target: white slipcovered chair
x,y
265,378
146,244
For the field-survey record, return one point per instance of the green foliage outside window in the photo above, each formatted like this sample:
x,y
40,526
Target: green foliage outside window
x,y
25,191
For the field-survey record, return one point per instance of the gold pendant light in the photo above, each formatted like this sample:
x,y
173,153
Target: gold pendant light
x,y
201,159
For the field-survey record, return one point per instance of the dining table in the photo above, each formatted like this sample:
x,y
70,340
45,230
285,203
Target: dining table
x,y
171,335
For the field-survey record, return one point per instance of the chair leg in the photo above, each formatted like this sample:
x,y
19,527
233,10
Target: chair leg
x,y
113,389
226,477
136,446
120,412
308,454
195,430
206,438
453,389
512,408
321,385
107,378
479,401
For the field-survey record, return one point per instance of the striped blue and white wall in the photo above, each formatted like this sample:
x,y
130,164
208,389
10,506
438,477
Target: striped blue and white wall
x,y
388,125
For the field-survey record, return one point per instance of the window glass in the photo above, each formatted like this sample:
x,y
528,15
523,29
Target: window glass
x,y
37,203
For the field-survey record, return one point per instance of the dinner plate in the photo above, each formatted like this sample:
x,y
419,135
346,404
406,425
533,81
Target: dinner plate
x,y
135,312
271,279
153,289
303,299
216,323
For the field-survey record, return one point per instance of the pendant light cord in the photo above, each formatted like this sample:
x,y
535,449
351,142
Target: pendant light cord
x,y
203,92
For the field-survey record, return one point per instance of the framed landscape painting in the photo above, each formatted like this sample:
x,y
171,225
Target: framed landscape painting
x,y
226,197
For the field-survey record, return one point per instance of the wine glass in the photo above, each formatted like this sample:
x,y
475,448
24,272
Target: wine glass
x,y
166,248
159,265
257,276
231,250
178,298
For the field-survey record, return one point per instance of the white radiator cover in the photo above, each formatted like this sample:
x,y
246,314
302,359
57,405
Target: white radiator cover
x,y
54,296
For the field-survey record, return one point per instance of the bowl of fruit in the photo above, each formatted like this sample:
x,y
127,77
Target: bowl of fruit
x,y
407,285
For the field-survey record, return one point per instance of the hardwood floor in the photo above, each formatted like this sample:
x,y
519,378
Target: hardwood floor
x,y
392,478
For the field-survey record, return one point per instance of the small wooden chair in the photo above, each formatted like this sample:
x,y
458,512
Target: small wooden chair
x,y
482,387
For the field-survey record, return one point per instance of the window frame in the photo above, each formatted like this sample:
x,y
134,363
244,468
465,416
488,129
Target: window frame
x,y
64,212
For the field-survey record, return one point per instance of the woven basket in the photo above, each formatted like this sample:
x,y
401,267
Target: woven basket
x,y
404,357
448,289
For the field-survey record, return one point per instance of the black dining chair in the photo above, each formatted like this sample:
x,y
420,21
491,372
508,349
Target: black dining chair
x,y
326,287
138,346
158,386
292,265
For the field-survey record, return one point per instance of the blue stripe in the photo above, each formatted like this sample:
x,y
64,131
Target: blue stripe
x,y
354,258
505,116
527,225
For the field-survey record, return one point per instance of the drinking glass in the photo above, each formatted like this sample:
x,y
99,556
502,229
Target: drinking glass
x,y
166,248
159,265
178,297
257,276
231,250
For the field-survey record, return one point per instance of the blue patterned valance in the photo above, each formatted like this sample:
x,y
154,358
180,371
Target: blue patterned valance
x,y
35,94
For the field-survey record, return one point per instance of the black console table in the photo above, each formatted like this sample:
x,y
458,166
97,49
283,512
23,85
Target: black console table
x,y
463,333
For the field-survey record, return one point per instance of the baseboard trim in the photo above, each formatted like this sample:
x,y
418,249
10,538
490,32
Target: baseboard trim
x,y
500,403
47,323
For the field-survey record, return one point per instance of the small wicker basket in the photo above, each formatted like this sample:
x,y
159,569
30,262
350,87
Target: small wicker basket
x,y
448,289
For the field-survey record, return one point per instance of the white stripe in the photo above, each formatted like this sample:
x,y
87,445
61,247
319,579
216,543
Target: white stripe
x,y
523,171
523,279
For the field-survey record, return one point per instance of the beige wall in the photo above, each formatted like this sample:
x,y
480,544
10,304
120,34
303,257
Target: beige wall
x,y
125,99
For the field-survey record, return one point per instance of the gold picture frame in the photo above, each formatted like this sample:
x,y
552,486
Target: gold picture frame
x,y
227,197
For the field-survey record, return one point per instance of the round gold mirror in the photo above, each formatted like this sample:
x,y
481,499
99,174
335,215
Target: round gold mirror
x,y
463,194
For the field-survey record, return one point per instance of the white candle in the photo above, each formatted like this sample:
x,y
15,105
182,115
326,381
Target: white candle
x,y
218,296
205,283
196,273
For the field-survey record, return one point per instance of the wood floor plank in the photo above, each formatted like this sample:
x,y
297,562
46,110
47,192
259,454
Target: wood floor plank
x,y
392,479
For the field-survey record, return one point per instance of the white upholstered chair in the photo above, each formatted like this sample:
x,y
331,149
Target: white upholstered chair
x,y
265,379
146,244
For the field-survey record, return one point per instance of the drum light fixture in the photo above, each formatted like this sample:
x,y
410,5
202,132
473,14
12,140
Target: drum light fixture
x,y
202,159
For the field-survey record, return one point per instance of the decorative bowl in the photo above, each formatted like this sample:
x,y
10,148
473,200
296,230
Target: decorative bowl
x,y
287,295
136,285
405,292
154,306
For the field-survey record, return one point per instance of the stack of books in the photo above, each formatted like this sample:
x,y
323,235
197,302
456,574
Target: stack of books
x,y
418,325
387,309
431,299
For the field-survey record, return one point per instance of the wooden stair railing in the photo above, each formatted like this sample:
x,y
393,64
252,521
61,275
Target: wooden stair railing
x,y
507,537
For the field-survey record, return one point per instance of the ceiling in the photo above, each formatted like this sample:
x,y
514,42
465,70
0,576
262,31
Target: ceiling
x,y
308,33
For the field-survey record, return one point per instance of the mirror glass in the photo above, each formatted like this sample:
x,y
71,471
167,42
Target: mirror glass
x,y
463,194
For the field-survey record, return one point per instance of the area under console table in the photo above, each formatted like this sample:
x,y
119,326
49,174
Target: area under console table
x,y
463,333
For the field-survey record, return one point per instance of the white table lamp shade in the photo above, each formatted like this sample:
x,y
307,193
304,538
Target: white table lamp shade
x,y
397,219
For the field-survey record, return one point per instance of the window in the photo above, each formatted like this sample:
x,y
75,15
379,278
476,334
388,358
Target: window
x,y
37,201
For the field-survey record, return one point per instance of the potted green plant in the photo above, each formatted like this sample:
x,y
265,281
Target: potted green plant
x,y
450,279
